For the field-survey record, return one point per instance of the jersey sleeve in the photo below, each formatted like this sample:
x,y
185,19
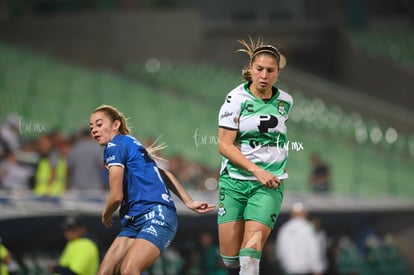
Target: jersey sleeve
x,y
115,154
229,113
288,103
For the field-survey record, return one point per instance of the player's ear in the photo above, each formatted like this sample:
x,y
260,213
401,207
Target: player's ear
x,y
116,125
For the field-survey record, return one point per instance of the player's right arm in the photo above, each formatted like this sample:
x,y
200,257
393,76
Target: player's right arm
x,y
226,139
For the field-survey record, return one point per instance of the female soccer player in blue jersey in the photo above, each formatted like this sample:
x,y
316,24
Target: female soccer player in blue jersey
x,y
141,190
252,140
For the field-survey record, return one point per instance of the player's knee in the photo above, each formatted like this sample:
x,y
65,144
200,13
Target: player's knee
x,y
128,270
231,261
104,269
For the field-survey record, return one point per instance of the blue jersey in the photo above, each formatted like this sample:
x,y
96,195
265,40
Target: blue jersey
x,y
143,185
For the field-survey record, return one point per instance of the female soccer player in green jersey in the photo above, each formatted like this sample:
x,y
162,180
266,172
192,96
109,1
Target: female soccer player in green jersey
x,y
252,140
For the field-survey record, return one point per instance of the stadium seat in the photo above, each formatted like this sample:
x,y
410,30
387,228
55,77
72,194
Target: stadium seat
x,y
179,104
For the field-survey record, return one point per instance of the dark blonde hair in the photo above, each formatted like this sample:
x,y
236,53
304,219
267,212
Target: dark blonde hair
x,y
114,115
254,48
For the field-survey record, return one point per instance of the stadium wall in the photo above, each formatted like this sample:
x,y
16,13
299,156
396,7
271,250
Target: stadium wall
x,y
376,76
109,40
112,39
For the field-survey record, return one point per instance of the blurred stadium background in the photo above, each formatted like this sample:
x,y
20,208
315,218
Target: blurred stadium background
x,y
168,65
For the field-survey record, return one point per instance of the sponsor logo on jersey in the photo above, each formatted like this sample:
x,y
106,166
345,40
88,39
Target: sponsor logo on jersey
x,y
158,222
226,114
110,144
111,158
166,197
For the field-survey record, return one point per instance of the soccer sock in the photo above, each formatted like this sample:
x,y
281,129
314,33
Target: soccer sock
x,y
231,262
249,261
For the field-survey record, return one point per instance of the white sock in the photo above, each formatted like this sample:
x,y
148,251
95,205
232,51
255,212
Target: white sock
x,y
249,265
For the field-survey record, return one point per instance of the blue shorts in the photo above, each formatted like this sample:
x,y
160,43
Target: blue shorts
x,y
158,226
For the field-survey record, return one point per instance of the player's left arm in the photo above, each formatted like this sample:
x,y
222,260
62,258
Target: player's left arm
x,y
175,186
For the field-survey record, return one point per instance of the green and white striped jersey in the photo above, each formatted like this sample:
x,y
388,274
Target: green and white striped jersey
x,y
261,129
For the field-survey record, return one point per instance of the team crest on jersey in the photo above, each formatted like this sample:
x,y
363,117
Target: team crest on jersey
x,y
221,210
281,108
110,144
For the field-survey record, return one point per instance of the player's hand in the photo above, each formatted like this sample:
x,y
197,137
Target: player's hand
x,y
201,207
266,178
107,220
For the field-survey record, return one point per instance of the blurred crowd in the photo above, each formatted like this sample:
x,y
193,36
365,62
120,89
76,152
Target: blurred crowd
x,y
51,163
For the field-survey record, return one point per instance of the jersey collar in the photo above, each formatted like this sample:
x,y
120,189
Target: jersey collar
x,y
275,91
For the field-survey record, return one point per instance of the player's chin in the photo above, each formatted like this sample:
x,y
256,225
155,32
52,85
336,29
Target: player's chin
x,y
101,141
263,87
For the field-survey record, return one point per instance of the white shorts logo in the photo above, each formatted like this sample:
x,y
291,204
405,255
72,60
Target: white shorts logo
x,y
151,230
